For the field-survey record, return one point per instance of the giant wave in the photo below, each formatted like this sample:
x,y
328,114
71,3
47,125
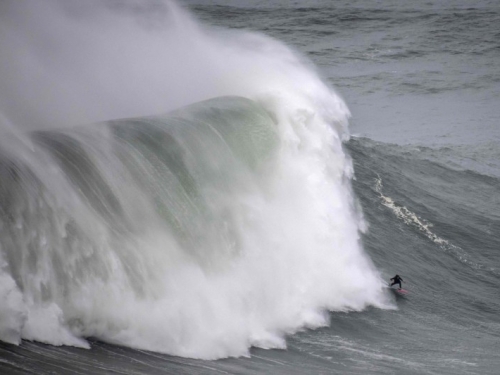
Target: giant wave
x,y
222,225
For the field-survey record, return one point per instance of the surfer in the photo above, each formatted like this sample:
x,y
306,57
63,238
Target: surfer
x,y
397,280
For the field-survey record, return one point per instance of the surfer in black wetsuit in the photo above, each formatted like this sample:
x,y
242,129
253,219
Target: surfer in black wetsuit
x,y
396,280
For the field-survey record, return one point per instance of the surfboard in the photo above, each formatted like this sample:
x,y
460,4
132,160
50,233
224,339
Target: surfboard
x,y
400,291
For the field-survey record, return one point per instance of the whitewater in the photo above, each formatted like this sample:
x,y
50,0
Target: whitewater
x,y
170,186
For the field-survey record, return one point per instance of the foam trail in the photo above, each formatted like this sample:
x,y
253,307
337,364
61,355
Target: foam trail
x,y
225,224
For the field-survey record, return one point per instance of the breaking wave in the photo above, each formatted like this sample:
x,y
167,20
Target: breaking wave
x,y
222,225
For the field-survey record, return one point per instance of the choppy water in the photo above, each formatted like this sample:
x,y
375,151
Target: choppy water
x,y
232,223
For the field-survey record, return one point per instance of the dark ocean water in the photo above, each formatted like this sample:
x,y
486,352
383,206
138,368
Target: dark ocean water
x,y
410,72
422,82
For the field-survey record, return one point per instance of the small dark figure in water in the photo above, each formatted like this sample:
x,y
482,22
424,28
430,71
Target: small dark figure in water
x,y
396,280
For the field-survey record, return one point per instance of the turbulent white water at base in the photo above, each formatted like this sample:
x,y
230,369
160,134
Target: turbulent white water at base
x,y
224,225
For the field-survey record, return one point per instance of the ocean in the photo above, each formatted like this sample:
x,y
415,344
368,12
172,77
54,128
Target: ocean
x,y
227,186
